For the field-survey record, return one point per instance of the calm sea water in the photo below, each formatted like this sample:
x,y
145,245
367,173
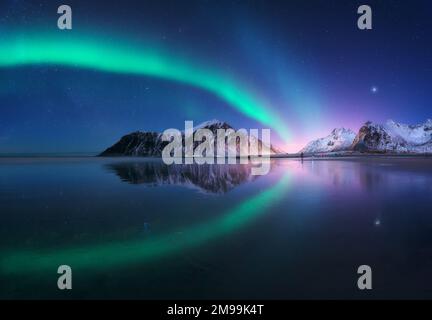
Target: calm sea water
x,y
134,228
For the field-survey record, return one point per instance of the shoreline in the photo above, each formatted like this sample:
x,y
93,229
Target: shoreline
x,y
336,155
350,154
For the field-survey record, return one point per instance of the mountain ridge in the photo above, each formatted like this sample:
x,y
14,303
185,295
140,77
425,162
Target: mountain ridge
x,y
393,137
148,143
390,137
338,140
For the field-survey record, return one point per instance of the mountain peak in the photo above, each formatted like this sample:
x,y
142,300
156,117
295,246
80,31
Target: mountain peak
x,y
394,137
214,123
340,139
341,131
392,122
428,123
151,144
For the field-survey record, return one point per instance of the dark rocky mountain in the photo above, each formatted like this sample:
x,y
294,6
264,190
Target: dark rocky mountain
x,y
151,144
137,144
394,138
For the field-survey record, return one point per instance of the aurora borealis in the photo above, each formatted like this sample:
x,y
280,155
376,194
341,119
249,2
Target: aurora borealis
x,y
130,224
122,253
43,50
298,68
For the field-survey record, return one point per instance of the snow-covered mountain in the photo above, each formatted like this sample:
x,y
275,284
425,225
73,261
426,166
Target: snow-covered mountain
x,y
394,137
151,144
340,139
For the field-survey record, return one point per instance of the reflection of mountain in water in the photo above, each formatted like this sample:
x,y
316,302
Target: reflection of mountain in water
x,y
211,178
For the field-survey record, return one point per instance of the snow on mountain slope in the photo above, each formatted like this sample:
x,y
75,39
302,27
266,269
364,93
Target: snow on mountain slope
x,y
394,137
151,143
212,124
417,134
339,140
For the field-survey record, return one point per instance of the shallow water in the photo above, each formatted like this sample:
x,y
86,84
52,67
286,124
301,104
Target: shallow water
x,y
135,228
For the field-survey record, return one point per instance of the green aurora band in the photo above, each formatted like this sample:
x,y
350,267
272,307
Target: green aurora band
x,y
113,254
115,57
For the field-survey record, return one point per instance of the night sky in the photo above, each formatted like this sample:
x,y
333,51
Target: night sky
x,y
300,68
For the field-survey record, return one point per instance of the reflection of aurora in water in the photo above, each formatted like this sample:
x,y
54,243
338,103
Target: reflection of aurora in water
x,y
115,254
81,53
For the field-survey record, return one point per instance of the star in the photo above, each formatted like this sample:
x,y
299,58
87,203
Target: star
x,y
374,89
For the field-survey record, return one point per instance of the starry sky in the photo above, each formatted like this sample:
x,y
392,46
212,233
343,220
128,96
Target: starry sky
x,y
300,68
